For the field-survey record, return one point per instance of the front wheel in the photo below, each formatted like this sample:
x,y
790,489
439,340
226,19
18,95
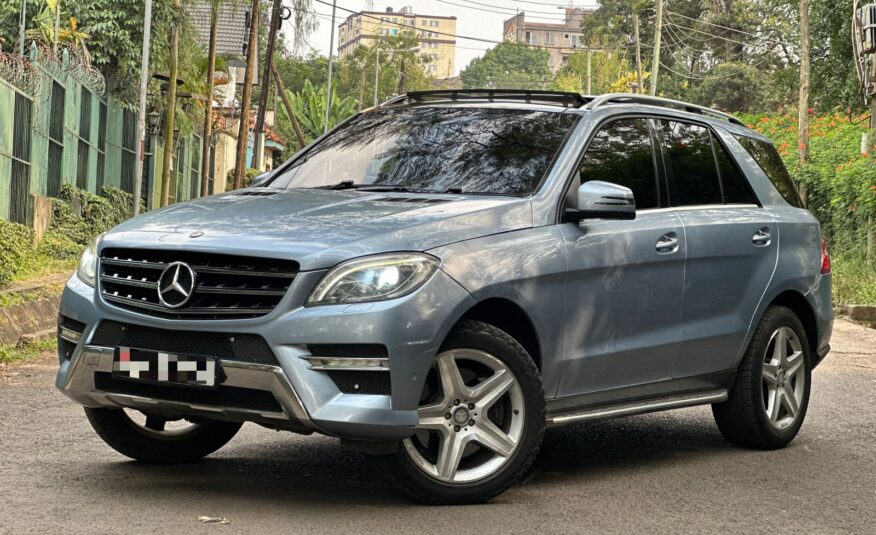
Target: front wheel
x,y
769,398
154,439
481,420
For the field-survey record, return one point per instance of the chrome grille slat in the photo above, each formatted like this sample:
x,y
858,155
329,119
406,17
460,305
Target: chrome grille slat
x,y
227,286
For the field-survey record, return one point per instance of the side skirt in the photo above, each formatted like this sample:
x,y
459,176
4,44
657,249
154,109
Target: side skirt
x,y
664,395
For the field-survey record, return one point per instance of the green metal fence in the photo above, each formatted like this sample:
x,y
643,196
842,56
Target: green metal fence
x,y
57,128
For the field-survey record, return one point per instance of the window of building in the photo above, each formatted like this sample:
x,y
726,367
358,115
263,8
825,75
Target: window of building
x,y
424,23
529,40
433,23
548,38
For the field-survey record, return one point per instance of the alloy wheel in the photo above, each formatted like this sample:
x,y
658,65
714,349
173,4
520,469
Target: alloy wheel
x,y
471,420
783,378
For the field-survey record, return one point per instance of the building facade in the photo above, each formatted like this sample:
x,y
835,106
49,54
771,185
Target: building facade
x,y
561,40
435,33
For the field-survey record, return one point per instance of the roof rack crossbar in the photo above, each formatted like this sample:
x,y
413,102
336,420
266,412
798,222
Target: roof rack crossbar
x,y
617,98
561,98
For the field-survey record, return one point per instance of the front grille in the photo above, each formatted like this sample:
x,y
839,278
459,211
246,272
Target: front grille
x,y
222,396
362,382
226,286
227,346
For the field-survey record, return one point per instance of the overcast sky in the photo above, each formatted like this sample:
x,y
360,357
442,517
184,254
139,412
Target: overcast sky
x,y
480,18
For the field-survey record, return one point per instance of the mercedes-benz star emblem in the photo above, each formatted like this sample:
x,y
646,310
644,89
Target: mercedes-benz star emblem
x,y
176,285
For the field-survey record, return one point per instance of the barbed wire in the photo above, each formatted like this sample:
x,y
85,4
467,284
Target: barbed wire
x,y
18,71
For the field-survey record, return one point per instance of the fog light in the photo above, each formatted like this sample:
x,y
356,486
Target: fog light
x,y
331,363
68,334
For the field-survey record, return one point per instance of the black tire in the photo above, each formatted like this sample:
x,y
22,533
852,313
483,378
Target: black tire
x,y
742,419
127,437
412,481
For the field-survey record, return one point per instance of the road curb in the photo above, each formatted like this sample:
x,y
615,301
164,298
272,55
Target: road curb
x,y
863,314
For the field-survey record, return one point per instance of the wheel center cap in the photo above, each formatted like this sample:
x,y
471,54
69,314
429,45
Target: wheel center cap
x,y
461,415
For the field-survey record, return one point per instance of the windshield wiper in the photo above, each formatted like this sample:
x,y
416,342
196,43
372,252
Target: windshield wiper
x,y
349,184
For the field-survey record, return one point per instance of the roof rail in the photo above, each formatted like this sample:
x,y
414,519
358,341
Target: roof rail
x,y
628,98
551,98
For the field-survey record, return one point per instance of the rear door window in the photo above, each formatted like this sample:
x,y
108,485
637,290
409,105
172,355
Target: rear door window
x,y
622,153
771,163
736,188
690,164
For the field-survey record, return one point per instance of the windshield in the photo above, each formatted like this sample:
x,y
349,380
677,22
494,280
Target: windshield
x,y
457,150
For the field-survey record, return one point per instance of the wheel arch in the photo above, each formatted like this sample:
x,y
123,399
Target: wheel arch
x,y
797,303
511,318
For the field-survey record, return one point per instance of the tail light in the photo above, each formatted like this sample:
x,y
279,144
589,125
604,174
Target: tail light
x,y
825,259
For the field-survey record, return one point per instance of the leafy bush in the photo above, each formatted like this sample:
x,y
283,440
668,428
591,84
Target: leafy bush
x,y
95,213
59,246
16,244
248,176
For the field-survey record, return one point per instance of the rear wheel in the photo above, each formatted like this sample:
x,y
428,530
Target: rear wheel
x,y
481,420
769,399
155,439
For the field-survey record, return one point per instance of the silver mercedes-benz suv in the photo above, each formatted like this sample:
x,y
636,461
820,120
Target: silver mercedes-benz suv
x,y
442,277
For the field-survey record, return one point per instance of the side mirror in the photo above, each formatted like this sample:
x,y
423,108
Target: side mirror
x,y
603,200
261,179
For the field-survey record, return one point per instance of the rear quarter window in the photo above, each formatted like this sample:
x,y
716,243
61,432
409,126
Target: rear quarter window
x,y
771,163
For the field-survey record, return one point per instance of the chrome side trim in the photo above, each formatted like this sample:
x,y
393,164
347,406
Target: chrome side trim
x,y
638,407
69,334
80,387
318,363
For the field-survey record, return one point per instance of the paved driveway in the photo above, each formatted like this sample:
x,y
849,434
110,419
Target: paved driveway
x,y
665,472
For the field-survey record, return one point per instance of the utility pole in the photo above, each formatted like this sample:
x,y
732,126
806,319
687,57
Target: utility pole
x,y
243,129
376,72
328,82
589,73
641,88
208,105
141,112
22,24
259,142
401,78
170,113
658,35
803,104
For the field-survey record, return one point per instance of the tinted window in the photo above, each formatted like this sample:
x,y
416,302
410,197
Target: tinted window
x,y
622,153
436,149
690,163
734,184
769,160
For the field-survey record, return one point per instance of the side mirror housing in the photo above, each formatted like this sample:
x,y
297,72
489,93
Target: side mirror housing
x,y
603,200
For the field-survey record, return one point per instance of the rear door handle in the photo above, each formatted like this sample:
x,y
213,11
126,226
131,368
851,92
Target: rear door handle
x,y
668,243
762,237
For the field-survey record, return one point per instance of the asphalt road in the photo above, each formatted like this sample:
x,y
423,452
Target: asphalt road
x,y
665,472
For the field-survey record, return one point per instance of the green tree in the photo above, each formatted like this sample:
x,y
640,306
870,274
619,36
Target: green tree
x,y
509,66
308,105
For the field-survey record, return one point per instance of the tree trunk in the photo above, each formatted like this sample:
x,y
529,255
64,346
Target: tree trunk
x,y
803,104
243,130
302,141
170,116
208,106
258,151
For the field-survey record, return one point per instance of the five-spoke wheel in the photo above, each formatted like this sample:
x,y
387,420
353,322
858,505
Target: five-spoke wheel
x,y
480,420
767,403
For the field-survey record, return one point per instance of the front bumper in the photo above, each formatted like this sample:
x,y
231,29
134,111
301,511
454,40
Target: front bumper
x,y
411,328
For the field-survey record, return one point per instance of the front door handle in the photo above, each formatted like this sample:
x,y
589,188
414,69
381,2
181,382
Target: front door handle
x,y
762,237
668,243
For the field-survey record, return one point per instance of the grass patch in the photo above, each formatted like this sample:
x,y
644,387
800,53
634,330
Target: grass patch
x,y
11,354
854,282
10,299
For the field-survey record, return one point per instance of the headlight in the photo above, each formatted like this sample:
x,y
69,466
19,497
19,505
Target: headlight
x,y
88,264
374,278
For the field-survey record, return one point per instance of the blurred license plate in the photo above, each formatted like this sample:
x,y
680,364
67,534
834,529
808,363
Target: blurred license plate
x,y
170,368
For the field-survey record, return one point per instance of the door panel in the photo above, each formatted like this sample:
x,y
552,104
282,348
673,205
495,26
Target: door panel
x,y
623,301
731,256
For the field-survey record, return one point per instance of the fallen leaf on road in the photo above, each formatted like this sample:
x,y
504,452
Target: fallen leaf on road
x,y
213,520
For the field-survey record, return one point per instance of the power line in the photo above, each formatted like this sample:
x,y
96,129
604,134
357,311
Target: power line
x,y
512,10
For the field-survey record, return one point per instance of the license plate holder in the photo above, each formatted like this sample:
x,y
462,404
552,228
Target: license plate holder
x,y
158,367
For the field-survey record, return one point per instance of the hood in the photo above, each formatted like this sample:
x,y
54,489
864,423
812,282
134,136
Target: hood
x,y
320,228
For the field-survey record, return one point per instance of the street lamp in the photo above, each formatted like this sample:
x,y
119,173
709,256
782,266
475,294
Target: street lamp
x,y
377,66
